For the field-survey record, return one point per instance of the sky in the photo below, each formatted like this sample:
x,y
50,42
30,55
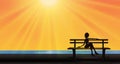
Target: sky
x,y
48,25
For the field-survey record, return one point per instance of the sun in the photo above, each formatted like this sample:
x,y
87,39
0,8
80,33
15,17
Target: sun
x,y
48,3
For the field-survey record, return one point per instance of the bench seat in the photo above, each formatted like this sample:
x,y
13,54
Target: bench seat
x,y
103,50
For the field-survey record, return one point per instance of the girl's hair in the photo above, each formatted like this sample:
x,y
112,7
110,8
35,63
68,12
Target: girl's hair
x,y
86,35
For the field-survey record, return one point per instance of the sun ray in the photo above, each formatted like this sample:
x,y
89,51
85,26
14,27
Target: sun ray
x,y
48,3
49,24
11,26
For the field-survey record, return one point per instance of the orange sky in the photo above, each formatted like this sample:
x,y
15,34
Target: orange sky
x,y
29,25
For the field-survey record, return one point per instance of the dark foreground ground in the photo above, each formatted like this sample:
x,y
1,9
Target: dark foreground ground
x,y
58,59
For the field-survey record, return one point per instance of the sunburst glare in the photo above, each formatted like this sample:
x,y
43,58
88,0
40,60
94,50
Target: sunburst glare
x,y
48,3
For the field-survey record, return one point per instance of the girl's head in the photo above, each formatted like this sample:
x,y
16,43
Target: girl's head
x,y
86,35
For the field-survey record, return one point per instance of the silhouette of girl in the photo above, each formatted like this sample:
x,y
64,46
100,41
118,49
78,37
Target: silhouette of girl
x,y
88,44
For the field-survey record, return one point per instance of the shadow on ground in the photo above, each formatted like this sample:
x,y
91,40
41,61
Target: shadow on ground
x,y
58,59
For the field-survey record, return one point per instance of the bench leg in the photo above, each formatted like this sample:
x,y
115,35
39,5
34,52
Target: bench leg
x,y
74,53
103,53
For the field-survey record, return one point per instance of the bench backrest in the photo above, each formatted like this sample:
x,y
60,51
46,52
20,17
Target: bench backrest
x,y
98,41
90,40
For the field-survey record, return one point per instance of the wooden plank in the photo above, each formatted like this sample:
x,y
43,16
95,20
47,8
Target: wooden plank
x,y
89,39
87,48
89,42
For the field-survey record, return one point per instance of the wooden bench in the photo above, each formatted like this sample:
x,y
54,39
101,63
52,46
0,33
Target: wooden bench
x,y
94,41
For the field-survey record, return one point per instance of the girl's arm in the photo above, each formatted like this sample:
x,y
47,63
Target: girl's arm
x,y
82,45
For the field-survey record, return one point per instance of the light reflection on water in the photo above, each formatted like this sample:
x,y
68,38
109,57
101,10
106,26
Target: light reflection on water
x,y
56,52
